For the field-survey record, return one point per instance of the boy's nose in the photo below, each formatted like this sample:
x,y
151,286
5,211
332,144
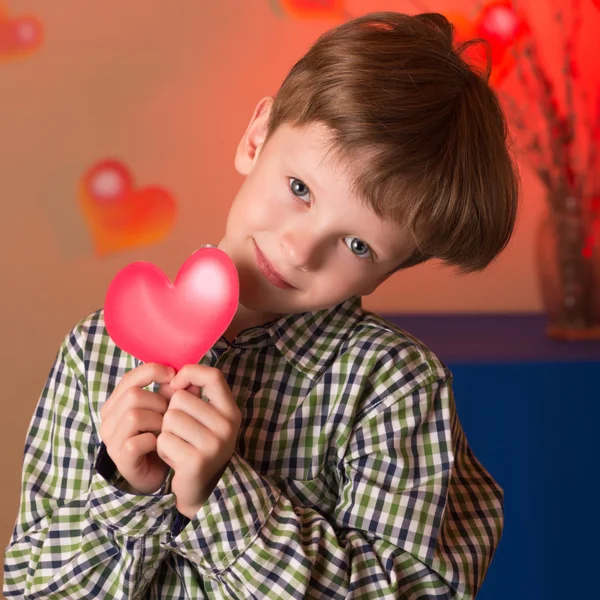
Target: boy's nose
x,y
300,250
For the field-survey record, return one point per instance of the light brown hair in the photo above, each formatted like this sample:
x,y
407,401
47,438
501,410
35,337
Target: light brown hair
x,y
421,127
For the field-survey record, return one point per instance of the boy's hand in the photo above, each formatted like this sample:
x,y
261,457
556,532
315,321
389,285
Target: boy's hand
x,y
198,434
132,418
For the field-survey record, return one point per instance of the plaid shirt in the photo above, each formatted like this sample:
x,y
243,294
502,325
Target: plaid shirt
x,y
351,478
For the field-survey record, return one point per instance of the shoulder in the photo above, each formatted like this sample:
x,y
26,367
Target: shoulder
x,y
86,338
379,341
389,364
90,353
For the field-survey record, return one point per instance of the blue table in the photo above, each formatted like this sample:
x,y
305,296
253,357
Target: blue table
x,y
530,408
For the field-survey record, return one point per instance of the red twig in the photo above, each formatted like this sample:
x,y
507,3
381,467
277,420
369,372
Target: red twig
x,y
535,150
593,165
569,74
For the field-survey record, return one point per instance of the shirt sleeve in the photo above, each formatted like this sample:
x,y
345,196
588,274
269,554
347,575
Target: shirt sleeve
x,y
76,534
410,521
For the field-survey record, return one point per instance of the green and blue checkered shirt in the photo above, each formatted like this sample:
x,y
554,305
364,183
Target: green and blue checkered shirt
x,y
351,478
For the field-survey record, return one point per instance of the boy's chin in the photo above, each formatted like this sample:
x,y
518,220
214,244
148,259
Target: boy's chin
x,y
266,301
282,302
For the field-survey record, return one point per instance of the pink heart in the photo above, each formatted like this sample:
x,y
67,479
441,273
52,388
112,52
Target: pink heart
x,y
172,323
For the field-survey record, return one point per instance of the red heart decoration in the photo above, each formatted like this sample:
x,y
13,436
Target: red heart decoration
x,y
19,35
120,216
314,8
172,323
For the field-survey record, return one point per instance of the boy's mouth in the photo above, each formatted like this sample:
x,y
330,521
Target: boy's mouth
x,y
267,269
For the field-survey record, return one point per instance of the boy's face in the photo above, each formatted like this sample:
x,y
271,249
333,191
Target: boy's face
x,y
296,207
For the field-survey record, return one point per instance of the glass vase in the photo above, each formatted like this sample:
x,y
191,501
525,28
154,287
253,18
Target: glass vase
x,y
568,261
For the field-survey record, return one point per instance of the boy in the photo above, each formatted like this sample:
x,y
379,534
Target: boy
x,y
324,457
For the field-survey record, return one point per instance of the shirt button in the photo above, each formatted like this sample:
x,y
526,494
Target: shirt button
x,y
154,512
148,575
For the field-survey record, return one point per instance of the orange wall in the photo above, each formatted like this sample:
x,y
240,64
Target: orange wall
x,y
166,88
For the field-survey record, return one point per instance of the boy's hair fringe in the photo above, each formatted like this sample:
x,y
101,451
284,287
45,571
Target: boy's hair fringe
x,y
420,126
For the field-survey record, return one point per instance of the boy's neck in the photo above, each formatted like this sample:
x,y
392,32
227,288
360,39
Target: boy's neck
x,y
243,319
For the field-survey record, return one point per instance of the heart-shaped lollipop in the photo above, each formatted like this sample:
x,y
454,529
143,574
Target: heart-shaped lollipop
x,y
174,324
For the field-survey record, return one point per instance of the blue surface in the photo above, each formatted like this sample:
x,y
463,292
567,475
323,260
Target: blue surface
x,y
491,338
529,407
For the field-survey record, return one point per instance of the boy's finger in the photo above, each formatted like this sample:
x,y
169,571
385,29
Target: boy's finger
x,y
145,375
192,389
140,377
146,420
165,390
213,384
145,400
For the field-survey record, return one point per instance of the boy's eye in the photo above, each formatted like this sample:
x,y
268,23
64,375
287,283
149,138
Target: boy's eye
x,y
358,247
298,188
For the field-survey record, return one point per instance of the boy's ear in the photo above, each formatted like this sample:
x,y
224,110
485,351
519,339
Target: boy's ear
x,y
249,147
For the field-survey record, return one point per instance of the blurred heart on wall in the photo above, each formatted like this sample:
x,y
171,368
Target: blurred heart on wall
x,y
117,214
310,9
20,35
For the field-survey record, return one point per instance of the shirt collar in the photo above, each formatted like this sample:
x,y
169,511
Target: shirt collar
x,y
307,340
